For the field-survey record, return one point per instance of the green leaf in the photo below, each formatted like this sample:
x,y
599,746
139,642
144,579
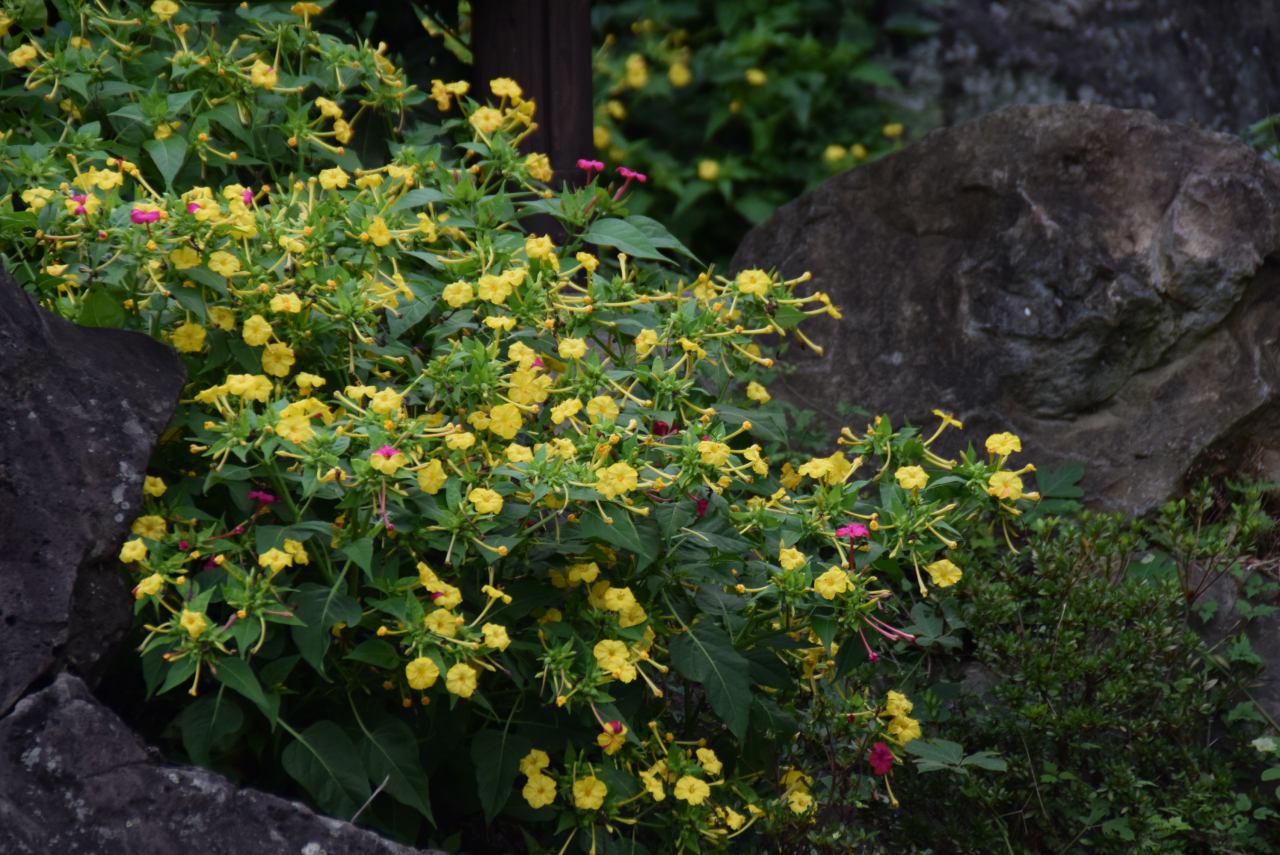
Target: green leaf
x,y
987,760
207,722
705,654
936,754
658,235
417,198
361,553
168,156
320,608
237,674
496,754
390,752
611,231
1060,483
620,533
100,309
377,653
325,762
409,315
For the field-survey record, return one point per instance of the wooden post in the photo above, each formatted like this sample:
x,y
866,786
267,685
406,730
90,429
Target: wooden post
x,y
545,46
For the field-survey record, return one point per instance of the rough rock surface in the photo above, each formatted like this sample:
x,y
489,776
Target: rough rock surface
x,y
80,413
1101,282
1185,60
75,780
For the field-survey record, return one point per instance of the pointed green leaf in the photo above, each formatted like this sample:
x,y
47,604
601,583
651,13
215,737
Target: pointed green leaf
x,y
168,156
324,761
705,654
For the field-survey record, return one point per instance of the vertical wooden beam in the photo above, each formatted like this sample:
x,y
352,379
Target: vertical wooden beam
x,y
545,46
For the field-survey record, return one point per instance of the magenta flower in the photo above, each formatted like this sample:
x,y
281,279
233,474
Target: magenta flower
x,y
852,530
661,428
192,207
263,497
139,216
79,198
247,197
387,451
590,165
614,726
880,758
628,175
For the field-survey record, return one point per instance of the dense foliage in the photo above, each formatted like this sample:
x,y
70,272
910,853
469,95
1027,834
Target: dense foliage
x,y
455,523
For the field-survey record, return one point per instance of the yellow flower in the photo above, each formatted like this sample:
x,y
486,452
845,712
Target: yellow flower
x,y
505,87
944,573
460,441
1003,444
833,154
220,316
637,71
225,263
457,294
486,120
911,477
651,778
832,583
713,453
708,170
646,341
275,560
431,478
252,387
421,673
564,410
286,304
164,9
903,729
679,75
539,791
581,573
378,232
613,656
897,704
799,801
387,464
708,760
328,108
262,75
858,150
505,420
461,680
756,77
184,257
753,282
442,621
386,402
790,558
616,480
296,551
612,740
256,331
538,247
691,790
539,167
154,486
1005,485
495,636
758,393
602,408
306,382
494,289
149,526
189,337
534,762
277,359
588,261
893,130
36,197
573,348
485,501
589,793
133,550
334,178
195,623
23,55
149,586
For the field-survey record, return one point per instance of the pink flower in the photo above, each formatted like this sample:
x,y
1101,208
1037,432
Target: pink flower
x,y
661,428
192,207
247,197
263,497
79,197
537,362
880,758
387,451
591,165
139,216
630,174
852,530
614,726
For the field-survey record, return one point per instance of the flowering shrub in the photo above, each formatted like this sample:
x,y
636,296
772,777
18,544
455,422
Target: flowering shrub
x,y
734,108
474,518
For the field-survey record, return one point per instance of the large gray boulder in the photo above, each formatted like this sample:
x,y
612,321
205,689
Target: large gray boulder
x,y
75,780
1101,282
1185,60
81,410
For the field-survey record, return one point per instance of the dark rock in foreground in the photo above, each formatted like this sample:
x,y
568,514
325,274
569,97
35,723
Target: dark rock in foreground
x,y
81,410
1185,60
1102,283
75,780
